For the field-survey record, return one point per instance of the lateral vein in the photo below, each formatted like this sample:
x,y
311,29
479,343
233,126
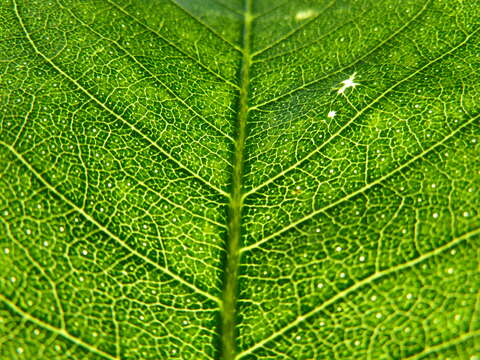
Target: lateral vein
x,y
377,275
105,230
110,111
61,332
362,189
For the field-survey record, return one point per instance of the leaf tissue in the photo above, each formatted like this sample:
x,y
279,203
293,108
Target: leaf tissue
x,y
239,179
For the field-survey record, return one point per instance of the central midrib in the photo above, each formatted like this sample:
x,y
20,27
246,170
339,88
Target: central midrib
x,y
229,303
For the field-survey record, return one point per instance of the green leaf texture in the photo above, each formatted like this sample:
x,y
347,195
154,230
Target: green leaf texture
x,y
213,179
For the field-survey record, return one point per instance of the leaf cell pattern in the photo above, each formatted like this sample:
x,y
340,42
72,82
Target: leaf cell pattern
x,y
185,179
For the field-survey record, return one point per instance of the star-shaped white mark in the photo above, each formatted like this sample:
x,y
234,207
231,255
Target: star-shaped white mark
x,y
332,114
348,84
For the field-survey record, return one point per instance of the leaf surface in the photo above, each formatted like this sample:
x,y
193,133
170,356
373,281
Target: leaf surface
x,y
186,179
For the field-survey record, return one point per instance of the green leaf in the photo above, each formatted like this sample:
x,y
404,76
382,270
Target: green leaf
x,y
186,179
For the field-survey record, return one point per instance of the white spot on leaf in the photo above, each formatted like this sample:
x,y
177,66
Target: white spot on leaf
x,y
348,83
305,14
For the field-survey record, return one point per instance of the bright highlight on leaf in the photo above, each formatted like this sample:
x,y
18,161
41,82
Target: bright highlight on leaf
x,y
348,84
305,14
180,179
331,114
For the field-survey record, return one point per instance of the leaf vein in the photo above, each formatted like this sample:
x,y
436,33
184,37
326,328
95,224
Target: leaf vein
x,y
294,31
172,44
358,114
368,280
60,332
345,67
105,230
362,189
205,25
110,111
